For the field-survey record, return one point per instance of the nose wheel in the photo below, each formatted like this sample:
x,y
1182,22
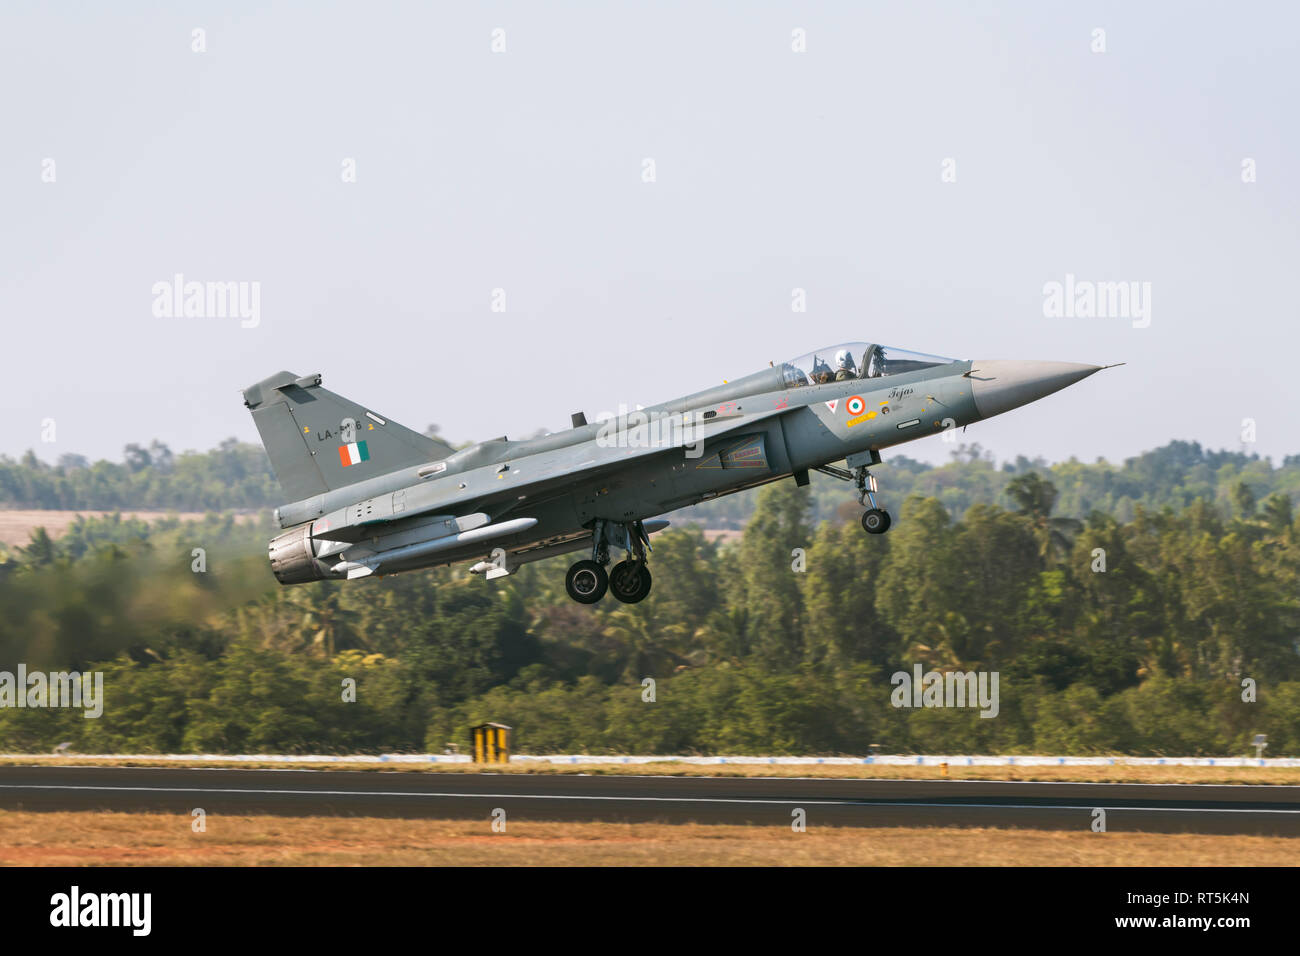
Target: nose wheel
x,y
875,521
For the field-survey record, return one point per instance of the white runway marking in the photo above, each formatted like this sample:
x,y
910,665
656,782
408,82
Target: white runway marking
x,y
795,801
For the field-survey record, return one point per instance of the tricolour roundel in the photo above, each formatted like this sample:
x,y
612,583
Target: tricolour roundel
x,y
855,405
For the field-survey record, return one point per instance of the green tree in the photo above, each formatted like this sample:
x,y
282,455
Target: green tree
x,y
843,624
769,588
1035,497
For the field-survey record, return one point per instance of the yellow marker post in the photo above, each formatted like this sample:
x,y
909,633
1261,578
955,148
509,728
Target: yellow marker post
x,y
492,743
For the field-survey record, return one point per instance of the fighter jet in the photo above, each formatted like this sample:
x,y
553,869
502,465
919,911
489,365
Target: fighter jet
x,y
371,497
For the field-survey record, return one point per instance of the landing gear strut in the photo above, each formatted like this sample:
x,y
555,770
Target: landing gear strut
x,y
629,580
875,520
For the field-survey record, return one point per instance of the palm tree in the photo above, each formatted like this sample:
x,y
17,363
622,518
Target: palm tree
x,y
325,627
644,647
40,550
1035,497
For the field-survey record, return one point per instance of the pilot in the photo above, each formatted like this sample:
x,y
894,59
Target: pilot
x,y
821,372
844,369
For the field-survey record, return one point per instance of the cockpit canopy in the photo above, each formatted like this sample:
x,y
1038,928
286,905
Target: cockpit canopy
x,y
854,360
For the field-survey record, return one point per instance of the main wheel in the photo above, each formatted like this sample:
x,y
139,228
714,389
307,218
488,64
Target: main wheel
x,y
875,521
629,581
586,582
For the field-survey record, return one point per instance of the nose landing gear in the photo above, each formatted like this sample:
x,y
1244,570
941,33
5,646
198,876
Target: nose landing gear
x,y
875,520
629,580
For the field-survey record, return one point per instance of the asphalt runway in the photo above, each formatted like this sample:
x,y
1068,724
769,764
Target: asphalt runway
x,y
1165,808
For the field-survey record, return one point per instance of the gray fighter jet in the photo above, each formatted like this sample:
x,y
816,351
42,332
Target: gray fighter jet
x,y
369,496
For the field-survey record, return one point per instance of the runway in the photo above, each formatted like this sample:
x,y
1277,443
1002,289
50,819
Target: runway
x,y
1166,808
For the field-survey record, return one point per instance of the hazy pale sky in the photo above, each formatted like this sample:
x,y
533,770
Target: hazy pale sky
x,y
524,170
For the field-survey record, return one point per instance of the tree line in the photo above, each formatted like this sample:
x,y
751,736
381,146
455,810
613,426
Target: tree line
x,y
237,476
1172,632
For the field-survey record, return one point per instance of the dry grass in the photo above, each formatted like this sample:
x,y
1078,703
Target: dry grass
x,y
17,526
124,839
1105,774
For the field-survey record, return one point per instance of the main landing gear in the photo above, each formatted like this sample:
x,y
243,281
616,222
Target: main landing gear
x,y
586,582
875,520
629,580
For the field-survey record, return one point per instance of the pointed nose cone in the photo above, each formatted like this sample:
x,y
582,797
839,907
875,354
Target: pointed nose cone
x,y
999,385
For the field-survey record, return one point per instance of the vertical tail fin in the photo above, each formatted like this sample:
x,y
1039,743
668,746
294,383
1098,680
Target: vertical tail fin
x,y
319,441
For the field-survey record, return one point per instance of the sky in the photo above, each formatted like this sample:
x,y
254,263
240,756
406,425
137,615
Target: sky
x,y
490,215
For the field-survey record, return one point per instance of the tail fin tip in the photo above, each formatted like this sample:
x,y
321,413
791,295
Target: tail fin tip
x,y
264,390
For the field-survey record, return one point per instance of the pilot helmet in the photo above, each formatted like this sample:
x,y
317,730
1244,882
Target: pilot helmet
x,y
843,359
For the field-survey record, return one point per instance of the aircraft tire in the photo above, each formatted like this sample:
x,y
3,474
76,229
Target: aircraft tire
x,y
586,582
876,521
629,582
